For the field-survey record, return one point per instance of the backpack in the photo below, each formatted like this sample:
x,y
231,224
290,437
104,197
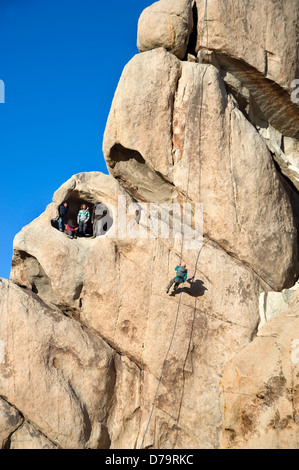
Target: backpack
x,y
181,274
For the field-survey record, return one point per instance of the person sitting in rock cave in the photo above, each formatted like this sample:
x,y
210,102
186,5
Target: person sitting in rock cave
x,y
71,229
82,219
180,277
98,214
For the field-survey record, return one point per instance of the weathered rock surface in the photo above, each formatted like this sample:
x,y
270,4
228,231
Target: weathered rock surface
x,y
273,303
166,24
57,374
27,437
286,159
261,34
139,161
86,328
54,371
96,290
10,420
260,388
258,63
201,128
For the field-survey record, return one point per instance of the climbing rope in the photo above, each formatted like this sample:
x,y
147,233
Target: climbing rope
x,y
183,235
163,366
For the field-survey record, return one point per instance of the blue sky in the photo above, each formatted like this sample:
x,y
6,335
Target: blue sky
x,y
60,61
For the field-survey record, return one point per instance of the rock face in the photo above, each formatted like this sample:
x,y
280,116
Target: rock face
x,y
202,130
200,127
260,388
10,421
273,303
54,369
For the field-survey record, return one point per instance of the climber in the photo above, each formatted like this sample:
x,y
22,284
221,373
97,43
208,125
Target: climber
x,y
62,211
82,219
98,214
181,277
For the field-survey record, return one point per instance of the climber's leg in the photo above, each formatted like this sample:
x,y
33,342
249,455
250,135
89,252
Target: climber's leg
x,y
170,284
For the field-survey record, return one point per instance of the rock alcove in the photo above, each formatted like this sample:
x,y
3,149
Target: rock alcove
x,y
75,201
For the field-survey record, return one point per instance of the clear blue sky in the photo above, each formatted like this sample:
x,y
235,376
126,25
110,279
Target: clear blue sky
x,y
60,61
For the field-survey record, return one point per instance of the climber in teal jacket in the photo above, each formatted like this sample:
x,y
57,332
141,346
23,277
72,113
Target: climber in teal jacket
x,y
180,277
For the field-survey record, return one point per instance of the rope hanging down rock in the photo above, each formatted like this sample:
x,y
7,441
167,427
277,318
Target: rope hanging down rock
x,y
199,90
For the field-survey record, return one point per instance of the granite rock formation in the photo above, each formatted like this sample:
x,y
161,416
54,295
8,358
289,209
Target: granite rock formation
x,y
202,116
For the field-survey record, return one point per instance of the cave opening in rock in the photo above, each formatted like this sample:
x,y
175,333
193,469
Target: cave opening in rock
x,y
75,201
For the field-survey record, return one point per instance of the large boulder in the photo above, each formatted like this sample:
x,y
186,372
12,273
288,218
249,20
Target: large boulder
x,y
166,24
61,377
28,437
204,144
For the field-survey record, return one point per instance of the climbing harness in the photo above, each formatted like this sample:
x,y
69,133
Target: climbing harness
x,y
183,235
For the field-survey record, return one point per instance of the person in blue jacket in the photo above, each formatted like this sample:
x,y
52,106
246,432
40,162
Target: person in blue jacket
x,y
180,277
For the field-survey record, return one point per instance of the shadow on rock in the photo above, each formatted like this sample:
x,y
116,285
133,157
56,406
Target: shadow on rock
x,y
196,288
